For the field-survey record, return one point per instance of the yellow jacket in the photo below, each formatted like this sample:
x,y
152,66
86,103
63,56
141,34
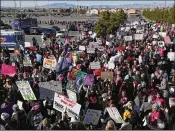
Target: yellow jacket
x,y
126,114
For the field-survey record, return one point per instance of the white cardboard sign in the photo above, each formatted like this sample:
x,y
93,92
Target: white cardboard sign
x,y
161,43
128,38
163,34
82,48
138,36
50,63
95,65
90,50
62,104
72,95
171,56
115,115
92,116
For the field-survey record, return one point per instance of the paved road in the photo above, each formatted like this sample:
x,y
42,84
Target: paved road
x,y
132,18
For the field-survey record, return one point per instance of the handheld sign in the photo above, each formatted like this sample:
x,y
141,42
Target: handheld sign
x,y
161,43
128,38
95,65
138,36
49,63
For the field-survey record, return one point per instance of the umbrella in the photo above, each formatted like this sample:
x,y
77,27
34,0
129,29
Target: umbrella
x,y
32,48
120,48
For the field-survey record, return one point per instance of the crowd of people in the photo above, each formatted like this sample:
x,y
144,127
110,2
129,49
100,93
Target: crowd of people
x,y
138,84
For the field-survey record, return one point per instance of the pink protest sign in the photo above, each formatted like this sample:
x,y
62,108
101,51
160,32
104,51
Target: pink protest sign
x,y
8,70
167,40
89,79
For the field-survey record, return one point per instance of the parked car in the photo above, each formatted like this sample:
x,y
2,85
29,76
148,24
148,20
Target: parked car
x,y
49,32
36,30
56,28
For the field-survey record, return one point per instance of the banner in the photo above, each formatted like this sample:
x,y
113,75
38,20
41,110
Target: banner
x,y
27,61
82,48
167,40
8,70
92,117
138,36
89,79
115,115
171,56
50,63
95,65
55,86
107,75
128,38
71,95
25,90
62,104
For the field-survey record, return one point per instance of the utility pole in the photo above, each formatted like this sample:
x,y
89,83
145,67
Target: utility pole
x,y
20,16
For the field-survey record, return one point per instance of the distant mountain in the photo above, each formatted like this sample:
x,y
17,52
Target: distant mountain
x,y
59,5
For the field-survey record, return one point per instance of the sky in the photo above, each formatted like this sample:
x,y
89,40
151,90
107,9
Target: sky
x,y
25,3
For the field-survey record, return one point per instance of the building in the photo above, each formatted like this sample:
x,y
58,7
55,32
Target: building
x,y
92,12
113,10
131,11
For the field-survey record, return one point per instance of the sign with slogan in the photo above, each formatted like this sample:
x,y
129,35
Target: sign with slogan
x,y
27,61
62,104
49,63
171,56
115,115
71,95
107,75
167,40
82,48
8,70
128,38
155,36
25,90
95,65
90,50
138,36
92,117
161,43
89,79
163,34
55,86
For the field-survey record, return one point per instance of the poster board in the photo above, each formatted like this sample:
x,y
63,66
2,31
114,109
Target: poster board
x,y
138,36
25,90
163,34
82,48
62,104
155,36
115,115
172,101
71,95
107,75
128,38
49,63
167,40
171,56
92,117
90,50
27,61
95,65
55,86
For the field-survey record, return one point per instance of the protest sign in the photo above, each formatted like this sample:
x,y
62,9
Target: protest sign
x,y
128,38
27,61
111,65
49,63
171,56
163,34
167,40
38,57
107,75
172,101
8,70
127,29
138,36
155,36
161,43
70,85
173,25
90,50
95,65
73,33
115,115
62,103
89,79
25,90
71,95
55,86
92,117
82,48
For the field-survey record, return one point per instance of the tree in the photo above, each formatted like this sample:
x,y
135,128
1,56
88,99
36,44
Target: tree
x,y
109,22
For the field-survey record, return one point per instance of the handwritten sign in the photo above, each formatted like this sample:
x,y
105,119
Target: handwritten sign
x,y
138,36
25,90
107,75
89,79
92,116
90,50
8,70
55,86
49,63
82,48
62,103
71,95
95,65
27,61
161,43
128,38
115,115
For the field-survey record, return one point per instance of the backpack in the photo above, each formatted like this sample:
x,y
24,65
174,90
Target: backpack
x,y
37,118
